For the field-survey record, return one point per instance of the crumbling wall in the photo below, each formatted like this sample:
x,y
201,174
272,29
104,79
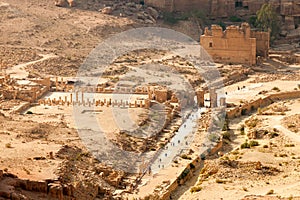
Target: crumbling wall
x,y
234,45
262,43
260,103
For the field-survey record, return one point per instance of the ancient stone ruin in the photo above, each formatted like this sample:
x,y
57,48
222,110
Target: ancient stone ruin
x,y
236,44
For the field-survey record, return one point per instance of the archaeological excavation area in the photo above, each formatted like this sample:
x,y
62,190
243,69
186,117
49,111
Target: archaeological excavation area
x,y
149,100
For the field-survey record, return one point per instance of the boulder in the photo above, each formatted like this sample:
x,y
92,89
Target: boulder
x,y
154,13
107,10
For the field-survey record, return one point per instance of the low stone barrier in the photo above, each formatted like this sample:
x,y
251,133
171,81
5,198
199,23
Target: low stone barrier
x,y
260,103
187,173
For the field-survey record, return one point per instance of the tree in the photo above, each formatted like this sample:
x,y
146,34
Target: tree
x,y
267,20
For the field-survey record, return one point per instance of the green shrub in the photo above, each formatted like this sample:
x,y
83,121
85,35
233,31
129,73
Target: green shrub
x,y
226,135
29,112
235,19
225,126
184,174
213,137
270,192
244,111
196,189
192,166
220,181
184,156
289,145
242,129
245,145
170,18
222,24
252,21
276,89
273,134
253,143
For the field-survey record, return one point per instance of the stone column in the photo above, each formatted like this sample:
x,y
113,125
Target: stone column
x,y
200,98
141,104
82,98
223,101
213,98
147,103
76,96
56,84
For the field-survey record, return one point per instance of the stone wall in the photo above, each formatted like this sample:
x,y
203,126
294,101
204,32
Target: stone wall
x,y
262,43
260,103
234,45
187,173
182,5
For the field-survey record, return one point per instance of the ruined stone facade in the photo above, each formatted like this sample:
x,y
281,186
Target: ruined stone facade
x,y
235,45
288,9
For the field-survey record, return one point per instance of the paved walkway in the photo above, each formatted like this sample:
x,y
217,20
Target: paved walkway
x,y
178,144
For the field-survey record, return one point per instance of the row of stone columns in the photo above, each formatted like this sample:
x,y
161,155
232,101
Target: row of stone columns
x,y
94,102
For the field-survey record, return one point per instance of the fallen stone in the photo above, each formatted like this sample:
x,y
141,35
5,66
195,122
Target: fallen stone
x,y
107,10
154,13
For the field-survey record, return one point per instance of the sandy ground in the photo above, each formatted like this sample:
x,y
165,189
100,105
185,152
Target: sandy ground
x,y
32,163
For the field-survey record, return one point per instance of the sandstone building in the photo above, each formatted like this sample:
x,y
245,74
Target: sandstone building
x,y
236,44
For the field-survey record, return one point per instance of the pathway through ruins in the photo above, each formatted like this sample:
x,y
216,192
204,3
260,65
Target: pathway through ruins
x,y
179,143
18,71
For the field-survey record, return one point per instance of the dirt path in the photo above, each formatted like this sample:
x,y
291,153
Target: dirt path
x,y
18,71
293,136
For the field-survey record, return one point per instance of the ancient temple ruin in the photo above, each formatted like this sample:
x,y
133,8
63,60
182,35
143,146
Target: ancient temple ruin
x,y
236,44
